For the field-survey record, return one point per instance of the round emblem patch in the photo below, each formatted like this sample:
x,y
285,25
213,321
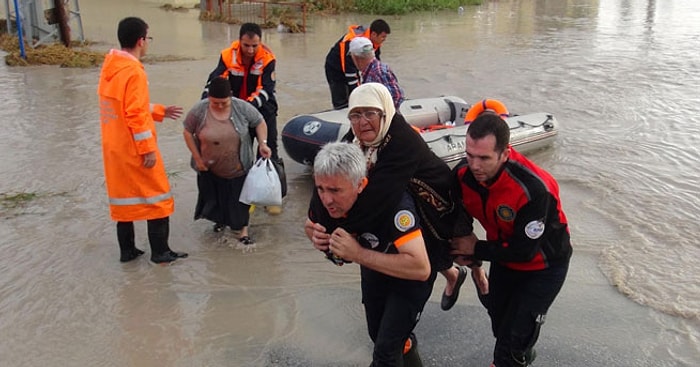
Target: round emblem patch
x,y
534,229
311,127
505,212
404,220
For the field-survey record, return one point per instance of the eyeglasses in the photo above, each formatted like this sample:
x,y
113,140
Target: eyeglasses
x,y
369,115
148,38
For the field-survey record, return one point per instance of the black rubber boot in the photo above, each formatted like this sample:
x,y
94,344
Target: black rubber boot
x,y
158,232
127,246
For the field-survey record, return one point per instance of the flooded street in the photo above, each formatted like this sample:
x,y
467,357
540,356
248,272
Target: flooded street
x,y
620,76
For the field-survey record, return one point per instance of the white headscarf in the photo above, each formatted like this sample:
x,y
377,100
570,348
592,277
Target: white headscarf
x,y
374,95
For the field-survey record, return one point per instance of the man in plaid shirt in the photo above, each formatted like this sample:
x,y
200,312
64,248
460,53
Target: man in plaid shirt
x,y
374,71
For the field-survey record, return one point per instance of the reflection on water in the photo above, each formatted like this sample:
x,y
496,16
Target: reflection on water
x,y
621,77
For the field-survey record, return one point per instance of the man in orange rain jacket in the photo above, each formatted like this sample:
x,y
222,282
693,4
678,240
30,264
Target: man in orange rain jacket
x,y
137,185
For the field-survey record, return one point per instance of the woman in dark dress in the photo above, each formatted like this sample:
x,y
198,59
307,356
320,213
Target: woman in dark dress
x,y
217,134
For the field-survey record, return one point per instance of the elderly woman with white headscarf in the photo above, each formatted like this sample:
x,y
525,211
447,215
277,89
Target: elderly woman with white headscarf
x,y
399,159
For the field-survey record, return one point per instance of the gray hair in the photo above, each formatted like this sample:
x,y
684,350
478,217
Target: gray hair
x,y
341,159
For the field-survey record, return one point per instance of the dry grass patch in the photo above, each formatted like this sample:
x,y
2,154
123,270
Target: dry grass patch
x,y
77,56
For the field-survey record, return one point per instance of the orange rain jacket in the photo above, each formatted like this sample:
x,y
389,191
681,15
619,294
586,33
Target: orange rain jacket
x,y
129,132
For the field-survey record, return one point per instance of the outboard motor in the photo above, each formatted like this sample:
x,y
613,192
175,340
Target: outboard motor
x,y
424,112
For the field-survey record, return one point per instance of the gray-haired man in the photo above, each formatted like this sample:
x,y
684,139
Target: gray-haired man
x,y
397,278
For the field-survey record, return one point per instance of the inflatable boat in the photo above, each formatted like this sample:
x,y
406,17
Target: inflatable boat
x,y
439,120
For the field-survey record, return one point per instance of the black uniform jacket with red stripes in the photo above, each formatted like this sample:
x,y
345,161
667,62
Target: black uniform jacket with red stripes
x,y
520,210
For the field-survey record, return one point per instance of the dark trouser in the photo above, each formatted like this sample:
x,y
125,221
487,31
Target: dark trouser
x,y
517,303
340,89
269,114
270,117
158,232
392,313
339,93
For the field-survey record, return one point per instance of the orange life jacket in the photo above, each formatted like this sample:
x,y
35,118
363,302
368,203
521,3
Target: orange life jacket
x,y
353,31
128,132
253,90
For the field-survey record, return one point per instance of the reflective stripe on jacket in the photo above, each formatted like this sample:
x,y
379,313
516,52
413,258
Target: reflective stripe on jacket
x,y
339,62
128,132
353,31
260,81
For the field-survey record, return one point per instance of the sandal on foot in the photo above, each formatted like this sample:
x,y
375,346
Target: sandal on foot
x,y
245,240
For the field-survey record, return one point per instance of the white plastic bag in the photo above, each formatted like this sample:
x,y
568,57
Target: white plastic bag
x,y
262,185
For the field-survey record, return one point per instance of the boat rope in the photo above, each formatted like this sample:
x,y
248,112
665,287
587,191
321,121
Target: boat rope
x,y
547,123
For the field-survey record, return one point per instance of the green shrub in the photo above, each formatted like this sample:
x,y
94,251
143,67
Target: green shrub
x,y
388,7
391,7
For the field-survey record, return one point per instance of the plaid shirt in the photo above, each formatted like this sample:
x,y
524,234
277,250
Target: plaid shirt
x,y
378,72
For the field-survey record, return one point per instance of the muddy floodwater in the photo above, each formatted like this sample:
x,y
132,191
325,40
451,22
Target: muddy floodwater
x,y
620,76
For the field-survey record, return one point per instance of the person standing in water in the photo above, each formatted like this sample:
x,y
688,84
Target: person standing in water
x,y
249,65
527,236
341,74
216,133
137,184
397,278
